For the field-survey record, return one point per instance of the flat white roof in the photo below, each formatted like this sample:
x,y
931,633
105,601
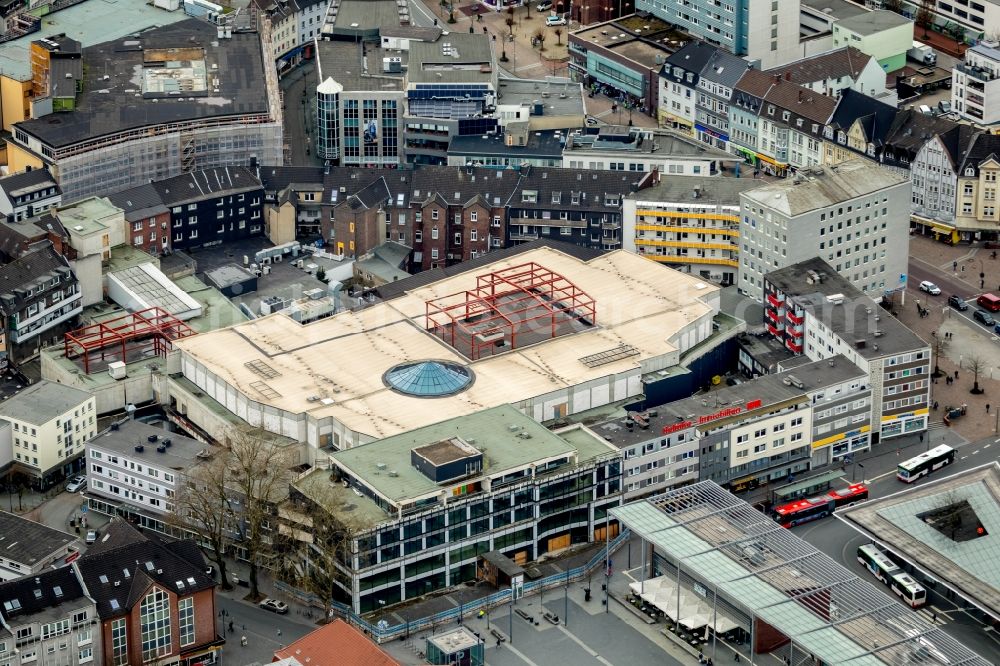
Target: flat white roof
x,y
340,360
145,286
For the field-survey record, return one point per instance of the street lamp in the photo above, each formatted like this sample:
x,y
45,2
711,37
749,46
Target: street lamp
x,y
223,614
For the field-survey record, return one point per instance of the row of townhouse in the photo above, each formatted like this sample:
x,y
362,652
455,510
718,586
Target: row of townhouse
x,y
822,109
131,599
452,214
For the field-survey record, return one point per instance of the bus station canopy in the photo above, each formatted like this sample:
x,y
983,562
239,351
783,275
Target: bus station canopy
x,y
794,490
744,558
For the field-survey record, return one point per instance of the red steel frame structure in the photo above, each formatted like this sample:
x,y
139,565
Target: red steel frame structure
x,y
524,288
129,332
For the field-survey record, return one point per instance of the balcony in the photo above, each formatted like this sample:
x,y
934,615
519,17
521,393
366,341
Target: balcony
x,y
611,226
536,222
774,301
795,318
794,346
523,235
976,72
773,330
794,331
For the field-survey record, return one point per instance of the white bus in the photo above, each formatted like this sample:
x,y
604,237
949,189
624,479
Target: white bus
x,y
887,571
910,470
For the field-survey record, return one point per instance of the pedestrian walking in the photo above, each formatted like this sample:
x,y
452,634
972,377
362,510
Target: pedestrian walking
x,y
279,632
231,622
956,374
243,641
922,434
498,641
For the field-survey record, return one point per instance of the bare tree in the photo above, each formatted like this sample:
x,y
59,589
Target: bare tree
x,y
938,348
925,15
893,6
202,505
510,20
259,472
558,33
540,38
975,364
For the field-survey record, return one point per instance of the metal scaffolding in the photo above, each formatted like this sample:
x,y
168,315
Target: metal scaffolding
x,y
130,337
527,301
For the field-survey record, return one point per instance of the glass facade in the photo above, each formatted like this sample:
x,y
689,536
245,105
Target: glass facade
x,y
328,125
154,620
522,520
429,379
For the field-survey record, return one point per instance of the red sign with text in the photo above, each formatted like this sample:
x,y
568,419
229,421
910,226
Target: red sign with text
x,y
708,418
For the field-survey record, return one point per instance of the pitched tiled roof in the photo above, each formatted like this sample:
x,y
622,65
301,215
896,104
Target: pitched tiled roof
x,y
846,61
139,201
911,129
27,269
205,183
457,186
124,562
591,184
33,178
336,643
876,117
693,57
800,100
755,82
982,147
36,593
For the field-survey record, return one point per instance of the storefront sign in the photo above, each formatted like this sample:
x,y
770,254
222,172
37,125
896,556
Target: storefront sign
x,y
708,418
712,132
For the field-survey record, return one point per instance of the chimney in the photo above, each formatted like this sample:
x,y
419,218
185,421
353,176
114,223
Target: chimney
x,y
788,76
800,95
777,78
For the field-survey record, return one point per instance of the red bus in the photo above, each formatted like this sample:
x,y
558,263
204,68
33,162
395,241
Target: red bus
x,y
813,508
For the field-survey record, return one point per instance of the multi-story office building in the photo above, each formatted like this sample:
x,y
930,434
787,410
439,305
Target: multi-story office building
x,y
764,31
977,18
49,619
421,507
51,424
39,300
27,194
691,223
31,548
451,90
624,148
818,312
854,215
173,100
975,84
359,104
155,601
747,435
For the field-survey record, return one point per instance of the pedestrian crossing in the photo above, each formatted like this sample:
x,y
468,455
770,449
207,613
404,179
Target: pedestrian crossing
x,y
935,425
930,614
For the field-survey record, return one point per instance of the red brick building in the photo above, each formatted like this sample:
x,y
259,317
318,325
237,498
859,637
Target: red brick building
x,y
155,601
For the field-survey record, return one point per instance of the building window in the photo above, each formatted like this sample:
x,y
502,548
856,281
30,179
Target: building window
x,y
185,616
154,619
119,643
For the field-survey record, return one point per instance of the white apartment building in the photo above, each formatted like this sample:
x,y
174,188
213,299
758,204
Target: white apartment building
x,y
28,548
818,312
138,466
934,178
854,215
50,425
28,193
690,223
975,84
49,620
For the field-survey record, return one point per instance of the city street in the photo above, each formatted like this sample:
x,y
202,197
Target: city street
x,y
261,628
840,542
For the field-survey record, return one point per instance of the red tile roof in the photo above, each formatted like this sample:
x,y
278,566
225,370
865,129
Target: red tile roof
x,y
336,643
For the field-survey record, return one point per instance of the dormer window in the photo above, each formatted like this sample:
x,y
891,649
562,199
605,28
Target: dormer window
x,y
970,172
529,196
557,197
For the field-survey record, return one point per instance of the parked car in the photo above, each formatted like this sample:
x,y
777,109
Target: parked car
x,y
554,20
91,536
275,606
983,317
930,288
958,303
76,484
544,6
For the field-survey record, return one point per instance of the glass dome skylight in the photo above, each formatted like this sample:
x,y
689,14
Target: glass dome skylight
x,y
428,379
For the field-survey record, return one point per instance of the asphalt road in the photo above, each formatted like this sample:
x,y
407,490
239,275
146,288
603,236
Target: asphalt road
x,y
261,628
950,283
840,542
